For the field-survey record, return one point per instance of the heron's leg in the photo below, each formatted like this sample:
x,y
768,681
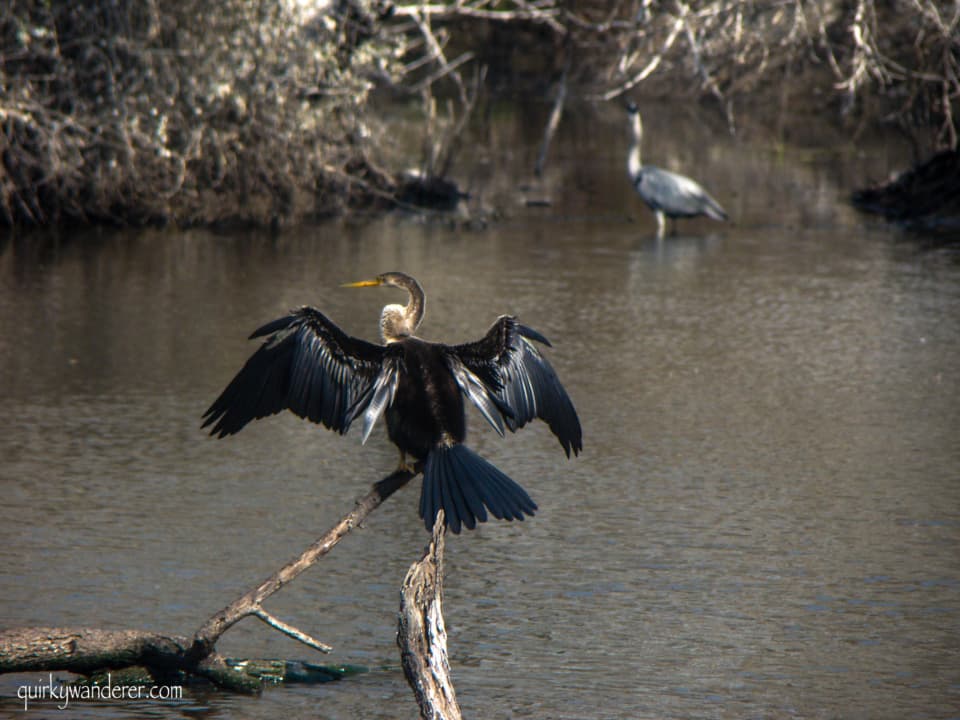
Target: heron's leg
x,y
661,223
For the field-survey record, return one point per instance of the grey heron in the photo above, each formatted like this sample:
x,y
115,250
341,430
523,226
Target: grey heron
x,y
667,193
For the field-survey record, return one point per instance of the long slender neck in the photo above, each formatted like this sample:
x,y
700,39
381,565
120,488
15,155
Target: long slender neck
x,y
636,132
413,313
398,322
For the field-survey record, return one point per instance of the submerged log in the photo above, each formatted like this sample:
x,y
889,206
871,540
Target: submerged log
x,y
86,651
422,636
927,196
417,190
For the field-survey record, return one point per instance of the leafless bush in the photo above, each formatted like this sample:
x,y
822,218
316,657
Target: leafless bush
x,y
202,112
192,112
887,60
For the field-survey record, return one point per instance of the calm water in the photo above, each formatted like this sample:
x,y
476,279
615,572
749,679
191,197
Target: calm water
x,y
765,522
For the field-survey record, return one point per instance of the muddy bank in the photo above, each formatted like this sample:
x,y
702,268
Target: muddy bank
x,y
925,197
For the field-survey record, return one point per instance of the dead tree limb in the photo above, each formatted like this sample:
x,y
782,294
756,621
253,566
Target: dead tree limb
x,y
87,650
554,120
422,636
249,604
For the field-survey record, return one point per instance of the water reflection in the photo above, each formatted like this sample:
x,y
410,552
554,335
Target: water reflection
x,y
764,523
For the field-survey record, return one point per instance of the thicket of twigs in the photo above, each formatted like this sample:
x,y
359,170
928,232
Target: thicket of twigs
x,y
869,60
194,111
200,112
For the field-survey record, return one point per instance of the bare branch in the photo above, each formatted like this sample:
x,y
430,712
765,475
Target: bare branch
x,y
291,631
421,633
207,636
554,120
525,11
648,69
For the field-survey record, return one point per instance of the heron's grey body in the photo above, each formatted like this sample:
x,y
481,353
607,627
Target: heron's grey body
x,y
667,193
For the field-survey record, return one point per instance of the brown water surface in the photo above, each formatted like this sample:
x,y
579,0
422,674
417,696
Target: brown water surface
x,y
765,521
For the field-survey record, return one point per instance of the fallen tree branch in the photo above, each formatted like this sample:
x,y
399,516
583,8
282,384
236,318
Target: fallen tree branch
x,y
249,604
290,631
422,636
88,650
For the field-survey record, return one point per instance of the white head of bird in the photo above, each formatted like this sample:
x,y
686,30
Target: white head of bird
x,y
398,321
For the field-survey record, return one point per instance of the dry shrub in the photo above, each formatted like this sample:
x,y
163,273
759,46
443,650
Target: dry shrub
x,y
869,60
138,111
238,111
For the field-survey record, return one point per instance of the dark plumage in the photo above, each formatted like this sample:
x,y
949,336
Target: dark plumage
x,y
311,367
667,193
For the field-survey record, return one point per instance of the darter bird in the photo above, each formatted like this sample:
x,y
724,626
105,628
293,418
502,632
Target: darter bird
x,y
311,367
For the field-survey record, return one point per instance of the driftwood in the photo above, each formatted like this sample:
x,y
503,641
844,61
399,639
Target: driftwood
x,y
422,636
88,650
927,196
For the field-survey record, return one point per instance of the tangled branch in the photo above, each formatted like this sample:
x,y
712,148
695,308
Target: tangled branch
x,y
137,111
899,60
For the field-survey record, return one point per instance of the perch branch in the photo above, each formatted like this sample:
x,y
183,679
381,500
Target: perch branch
x,y
248,604
422,636
85,650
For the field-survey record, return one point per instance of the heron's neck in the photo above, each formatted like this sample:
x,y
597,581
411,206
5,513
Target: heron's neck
x,y
633,159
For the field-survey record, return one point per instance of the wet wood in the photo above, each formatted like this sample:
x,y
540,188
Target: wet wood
x,y
88,650
422,636
249,603
926,196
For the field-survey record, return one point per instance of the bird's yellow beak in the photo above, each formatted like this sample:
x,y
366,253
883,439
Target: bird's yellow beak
x,y
363,283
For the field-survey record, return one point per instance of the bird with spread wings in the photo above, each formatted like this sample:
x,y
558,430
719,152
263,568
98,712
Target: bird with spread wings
x,y
311,367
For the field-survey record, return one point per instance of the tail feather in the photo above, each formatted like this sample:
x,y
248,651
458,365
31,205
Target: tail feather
x,y
519,505
493,497
465,485
714,210
505,498
472,497
429,502
453,499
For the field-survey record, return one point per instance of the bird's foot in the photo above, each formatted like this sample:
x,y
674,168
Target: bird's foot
x,y
409,466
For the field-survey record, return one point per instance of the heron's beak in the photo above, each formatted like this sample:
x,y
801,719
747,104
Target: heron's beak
x,y
363,283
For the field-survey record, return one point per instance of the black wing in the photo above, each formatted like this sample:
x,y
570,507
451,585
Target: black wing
x,y
521,383
307,365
